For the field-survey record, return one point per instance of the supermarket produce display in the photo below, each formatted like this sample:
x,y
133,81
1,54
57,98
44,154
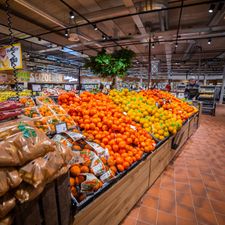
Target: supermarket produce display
x,y
103,139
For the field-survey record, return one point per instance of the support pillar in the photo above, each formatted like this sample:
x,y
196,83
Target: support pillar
x,y
149,62
222,88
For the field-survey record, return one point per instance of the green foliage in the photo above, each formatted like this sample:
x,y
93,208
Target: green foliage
x,y
110,65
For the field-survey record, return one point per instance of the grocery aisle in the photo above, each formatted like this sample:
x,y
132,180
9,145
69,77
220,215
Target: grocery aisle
x,y
192,188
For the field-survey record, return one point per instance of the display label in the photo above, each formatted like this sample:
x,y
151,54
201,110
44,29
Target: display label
x,y
60,127
6,57
68,87
36,87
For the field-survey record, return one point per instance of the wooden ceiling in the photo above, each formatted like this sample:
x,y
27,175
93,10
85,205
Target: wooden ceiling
x,y
156,19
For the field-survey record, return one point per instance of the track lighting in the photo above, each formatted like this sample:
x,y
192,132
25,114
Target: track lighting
x,y
153,45
95,27
176,45
66,33
103,37
72,16
209,41
211,8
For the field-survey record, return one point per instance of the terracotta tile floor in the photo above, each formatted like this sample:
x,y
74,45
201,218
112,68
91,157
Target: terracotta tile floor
x,y
191,191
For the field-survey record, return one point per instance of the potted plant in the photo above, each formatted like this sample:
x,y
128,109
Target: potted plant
x,y
111,65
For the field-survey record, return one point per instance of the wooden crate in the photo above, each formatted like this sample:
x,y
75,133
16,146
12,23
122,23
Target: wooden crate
x,y
114,204
52,207
193,124
159,160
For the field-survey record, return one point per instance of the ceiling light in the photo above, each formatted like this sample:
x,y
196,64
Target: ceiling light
x,y
153,45
176,63
72,16
154,57
66,33
95,27
209,41
176,45
211,8
103,37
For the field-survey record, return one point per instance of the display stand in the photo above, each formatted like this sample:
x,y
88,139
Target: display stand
x,y
53,207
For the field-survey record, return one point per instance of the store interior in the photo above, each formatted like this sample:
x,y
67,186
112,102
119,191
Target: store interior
x,y
112,112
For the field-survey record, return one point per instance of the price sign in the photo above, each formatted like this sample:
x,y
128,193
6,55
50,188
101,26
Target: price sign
x,y
13,99
36,87
68,87
60,127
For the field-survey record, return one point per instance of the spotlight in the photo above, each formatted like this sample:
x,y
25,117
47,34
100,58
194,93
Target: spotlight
x,y
66,33
95,27
211,8
209,41
154,57
103,37
153,45
72,16
176,45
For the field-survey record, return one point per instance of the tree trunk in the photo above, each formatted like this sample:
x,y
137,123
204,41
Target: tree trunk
x,y
113,85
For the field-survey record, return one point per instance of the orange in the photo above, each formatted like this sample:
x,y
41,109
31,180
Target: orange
x,y
75,170
84,169
120,167
72,181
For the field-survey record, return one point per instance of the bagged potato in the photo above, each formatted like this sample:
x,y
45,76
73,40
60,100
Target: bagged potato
x,y
23,143
9,178
7,220
7,203
26,192
42,169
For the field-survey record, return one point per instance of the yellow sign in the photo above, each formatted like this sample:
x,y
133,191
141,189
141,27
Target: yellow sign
x,y
6,58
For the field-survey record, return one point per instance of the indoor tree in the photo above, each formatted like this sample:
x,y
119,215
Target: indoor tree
x,y
111,65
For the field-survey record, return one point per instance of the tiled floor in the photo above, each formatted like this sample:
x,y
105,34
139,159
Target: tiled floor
x,y
192,189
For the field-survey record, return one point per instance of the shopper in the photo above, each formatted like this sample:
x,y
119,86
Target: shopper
x,y
168,87
192,89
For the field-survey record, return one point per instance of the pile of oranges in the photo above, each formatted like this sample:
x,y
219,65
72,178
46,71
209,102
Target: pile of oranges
x,y
103,122
169,102
144,110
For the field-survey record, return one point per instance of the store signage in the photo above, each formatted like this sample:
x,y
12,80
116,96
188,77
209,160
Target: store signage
x,y
46,78
7,59
23,76
68,87
155,67
60,127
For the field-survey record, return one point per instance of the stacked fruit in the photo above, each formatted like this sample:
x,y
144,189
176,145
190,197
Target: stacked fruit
x,y
68,98
157,121
104,123
169,102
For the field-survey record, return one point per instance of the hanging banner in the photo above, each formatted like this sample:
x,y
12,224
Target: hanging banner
x,y
6,57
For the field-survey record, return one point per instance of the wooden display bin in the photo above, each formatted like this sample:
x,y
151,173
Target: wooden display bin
x,y
113,205
193,124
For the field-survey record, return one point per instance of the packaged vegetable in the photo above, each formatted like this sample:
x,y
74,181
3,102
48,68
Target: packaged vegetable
x,y
23,142
7,203
26,192
31,112
10,105
7,220
58,110
27,101
41,124
45,111
90,184
42,169
52,121
68,120
63,139
10,178
44,100
10,114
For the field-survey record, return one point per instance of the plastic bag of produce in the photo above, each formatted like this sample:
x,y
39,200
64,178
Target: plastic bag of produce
x,y
57,110
68,120
45,111
31,112
10,114
9,178
40,170
44,100
7,203
90,184
26,192
63,139
52,121
99,150
27,101
10,105
41,124
7,220
23,142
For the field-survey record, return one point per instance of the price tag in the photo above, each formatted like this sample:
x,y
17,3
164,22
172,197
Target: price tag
x,y
36,87
133,127
13,99
68,87
60,127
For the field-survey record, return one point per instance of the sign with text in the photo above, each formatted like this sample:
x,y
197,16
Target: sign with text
x,y
46,78
60,127
7,59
